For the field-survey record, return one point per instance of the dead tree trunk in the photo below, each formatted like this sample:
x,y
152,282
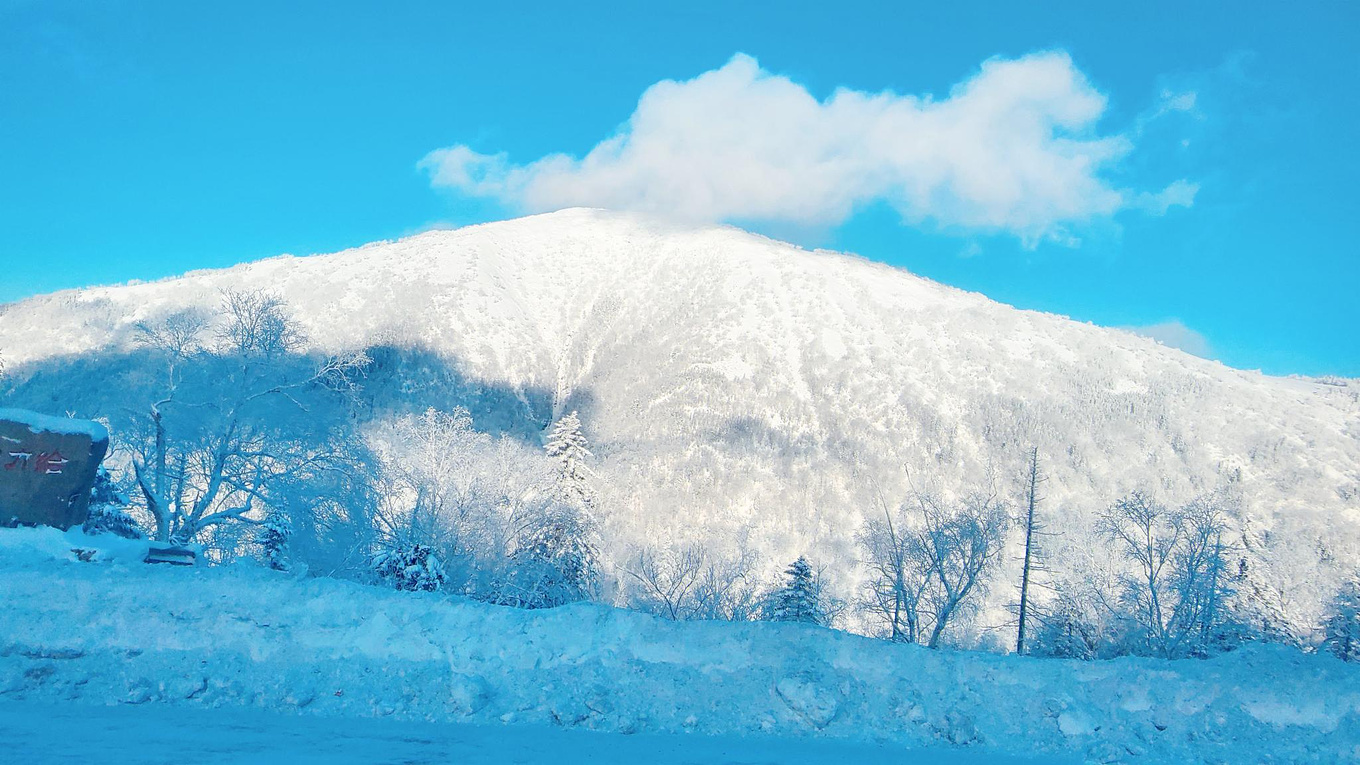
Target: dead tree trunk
x,y
1031,499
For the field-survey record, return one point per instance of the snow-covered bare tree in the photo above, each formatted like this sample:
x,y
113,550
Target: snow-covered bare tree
x,y
1180,580
960,543
687,583
664,582
928,561
898,576
216,448
729,590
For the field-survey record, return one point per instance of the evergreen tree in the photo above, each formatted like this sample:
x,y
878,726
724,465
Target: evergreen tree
x,y
567,445
1341,631
274,537
557,559
106,513
799,599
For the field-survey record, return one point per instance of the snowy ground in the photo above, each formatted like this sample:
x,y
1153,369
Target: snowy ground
x,y
249,658
46,733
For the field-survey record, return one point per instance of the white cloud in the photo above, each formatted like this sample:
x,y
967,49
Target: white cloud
x,y
1179,194
1012,149
1175,334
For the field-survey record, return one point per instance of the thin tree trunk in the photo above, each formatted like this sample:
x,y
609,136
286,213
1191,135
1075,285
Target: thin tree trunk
x,y
1029,548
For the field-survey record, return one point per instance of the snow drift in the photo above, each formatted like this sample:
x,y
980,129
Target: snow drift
x,y
118,632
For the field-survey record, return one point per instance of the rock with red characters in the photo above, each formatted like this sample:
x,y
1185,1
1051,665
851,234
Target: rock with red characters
x,y
47,466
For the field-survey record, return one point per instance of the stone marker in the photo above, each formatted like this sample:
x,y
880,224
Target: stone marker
x,y
47,467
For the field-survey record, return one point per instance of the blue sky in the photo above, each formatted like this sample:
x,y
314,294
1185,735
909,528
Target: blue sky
x,y
1176,165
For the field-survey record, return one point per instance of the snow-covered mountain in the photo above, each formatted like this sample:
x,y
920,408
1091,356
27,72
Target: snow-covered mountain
x,y
739,390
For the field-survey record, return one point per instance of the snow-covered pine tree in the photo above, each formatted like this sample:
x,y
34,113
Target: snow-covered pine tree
x,y
799,598
567,446
1341,631
106,514
274,536
557,558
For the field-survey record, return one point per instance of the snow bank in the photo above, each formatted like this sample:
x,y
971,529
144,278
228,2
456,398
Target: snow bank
x,y
46,423
241,636
37,733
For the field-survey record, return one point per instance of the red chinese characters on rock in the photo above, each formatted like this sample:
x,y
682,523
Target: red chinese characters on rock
x,y
47,463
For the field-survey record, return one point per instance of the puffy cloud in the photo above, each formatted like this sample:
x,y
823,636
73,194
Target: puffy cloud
x,y
1012,149
1174,333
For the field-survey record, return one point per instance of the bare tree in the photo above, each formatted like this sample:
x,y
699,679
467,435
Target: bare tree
x,y
960,545
222,460
898,578
1180,569
667,581
928,560
687,583
729,590
1033,479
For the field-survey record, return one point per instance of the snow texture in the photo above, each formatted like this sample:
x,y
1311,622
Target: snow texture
x,y
242,636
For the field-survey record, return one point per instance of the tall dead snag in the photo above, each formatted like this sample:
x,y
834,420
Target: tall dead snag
x,y
1032,481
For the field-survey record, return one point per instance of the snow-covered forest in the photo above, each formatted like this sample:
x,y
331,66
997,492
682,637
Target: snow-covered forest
x,y
596,406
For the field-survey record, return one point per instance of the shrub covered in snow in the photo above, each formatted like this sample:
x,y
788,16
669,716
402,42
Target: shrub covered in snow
x,y
275,535
409,567
1065,633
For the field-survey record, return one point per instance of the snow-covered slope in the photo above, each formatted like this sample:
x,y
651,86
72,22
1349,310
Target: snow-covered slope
x,y
244,636
738,388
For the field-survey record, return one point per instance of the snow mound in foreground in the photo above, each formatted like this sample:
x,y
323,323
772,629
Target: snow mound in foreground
x,y
113,632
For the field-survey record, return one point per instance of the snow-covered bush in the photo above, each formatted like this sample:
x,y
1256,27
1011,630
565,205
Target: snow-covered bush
x,y
107,514
462,492
1065,632
1341,631
555,561
685,583
275,536
409,567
